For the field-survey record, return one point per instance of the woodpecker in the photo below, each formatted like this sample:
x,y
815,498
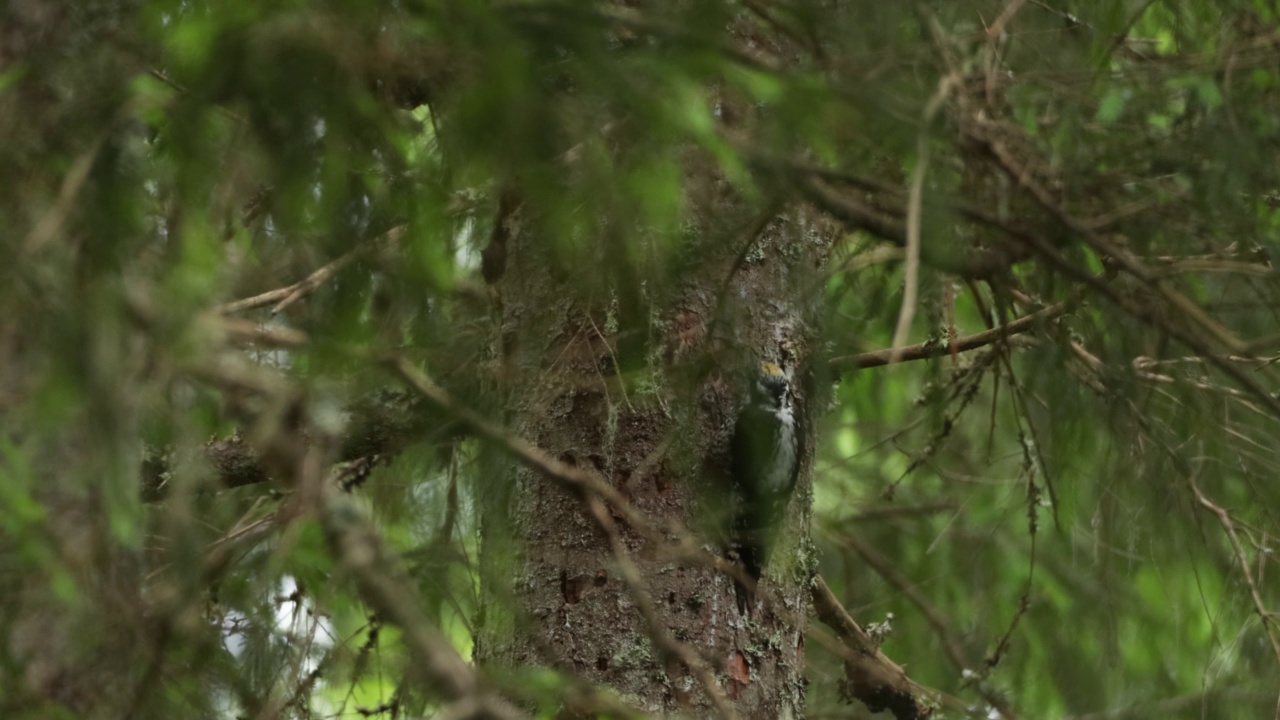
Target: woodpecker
x,y
765,462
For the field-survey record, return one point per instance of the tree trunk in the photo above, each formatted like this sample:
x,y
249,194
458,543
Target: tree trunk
x,y
654,419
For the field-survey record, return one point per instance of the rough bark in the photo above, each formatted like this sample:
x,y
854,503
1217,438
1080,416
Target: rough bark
x,y
656,425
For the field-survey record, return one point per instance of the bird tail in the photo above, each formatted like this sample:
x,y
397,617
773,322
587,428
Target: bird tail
x,y
749,556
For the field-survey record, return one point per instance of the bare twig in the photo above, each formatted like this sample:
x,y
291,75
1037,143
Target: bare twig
x,y
857,214
941,626
248,332
1213,265
915,193
911,270
922,351
886,569
899,511
877,681
1269,625
286,296
1201,343
1004,17
52,221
